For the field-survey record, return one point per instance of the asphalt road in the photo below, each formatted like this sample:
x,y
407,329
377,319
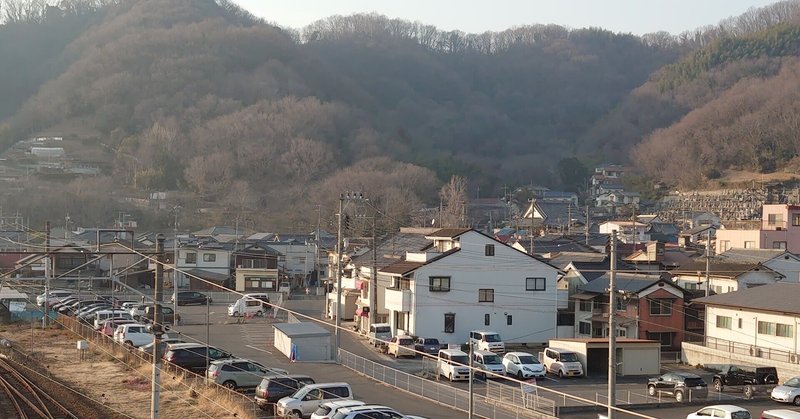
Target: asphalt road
x,y
254,339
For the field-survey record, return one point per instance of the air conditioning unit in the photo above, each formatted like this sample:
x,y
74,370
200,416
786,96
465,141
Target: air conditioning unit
x,y
778,228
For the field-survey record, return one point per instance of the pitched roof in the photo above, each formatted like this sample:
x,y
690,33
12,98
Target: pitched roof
x,y
722,269
558,213
448,233
698,229
631,282
404,267
753,255
781,297
393,249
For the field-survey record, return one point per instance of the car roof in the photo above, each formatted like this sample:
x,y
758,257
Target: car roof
x,y
519,353
364,407
381,324
479,352
729,407
453,351
186,345
230,360
690,375
344,403
294,376
315,385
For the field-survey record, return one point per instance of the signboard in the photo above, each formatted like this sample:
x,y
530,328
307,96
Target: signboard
x,y
16,306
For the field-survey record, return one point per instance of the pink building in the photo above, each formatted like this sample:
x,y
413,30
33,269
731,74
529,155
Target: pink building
x,y
779,228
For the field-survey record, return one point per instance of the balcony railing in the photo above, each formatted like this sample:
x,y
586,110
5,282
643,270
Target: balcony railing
x,y
397,299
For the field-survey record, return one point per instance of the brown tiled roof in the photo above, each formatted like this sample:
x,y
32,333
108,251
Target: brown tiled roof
x,y
449,233
401,268
780,297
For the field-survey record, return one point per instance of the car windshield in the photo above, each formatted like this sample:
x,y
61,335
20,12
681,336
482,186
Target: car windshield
x,y
460,359
491,360
694,381
741,415
793,382
408,341
528,359
383,329
569,357
431,342
493,338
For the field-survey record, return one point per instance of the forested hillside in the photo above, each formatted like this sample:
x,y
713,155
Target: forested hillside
x,y
200,97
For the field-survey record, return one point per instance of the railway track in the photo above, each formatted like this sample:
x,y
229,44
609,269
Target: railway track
x,y
23,397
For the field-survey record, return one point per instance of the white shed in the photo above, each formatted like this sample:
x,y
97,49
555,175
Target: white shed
x,y
303,342
635,356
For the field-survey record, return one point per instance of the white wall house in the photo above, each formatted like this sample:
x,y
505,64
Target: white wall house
x,y
766,318
627,231
724,277
468,281
213,260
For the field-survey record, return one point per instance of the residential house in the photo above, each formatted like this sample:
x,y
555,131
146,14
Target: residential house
x,y
662,232
578,269
467,280
693,219
617,198
697,237
388,251
627,231
650,258
648,306
553,216
549,244
724,276
299,255
256,269
779,229
203,265
605,177
781,261
750,325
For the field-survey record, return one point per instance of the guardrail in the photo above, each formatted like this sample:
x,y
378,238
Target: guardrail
x,y
442,394
749,350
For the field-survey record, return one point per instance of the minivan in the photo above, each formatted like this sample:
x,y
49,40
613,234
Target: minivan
x,y
486,340
488,361
379,334
257,304
562,362
308,398
448,364
277,386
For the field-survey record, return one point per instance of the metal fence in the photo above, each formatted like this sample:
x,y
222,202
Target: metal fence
x,y
483,406
749,350
133,358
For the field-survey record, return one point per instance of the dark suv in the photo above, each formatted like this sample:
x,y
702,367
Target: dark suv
x,y
740,375
192,297
277,386
679,384
192,356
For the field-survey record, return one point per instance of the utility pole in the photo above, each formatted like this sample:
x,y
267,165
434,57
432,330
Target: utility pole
x,y
156,327
708,263
471,378
569,219
339,252
47,267
612,328
175,264
587,224
533,203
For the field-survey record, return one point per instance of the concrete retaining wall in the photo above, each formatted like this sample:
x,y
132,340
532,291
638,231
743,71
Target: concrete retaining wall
x,y
693,354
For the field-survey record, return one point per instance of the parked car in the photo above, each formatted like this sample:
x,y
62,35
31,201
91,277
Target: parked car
x,y
327,410
98,317
167,315
722,411
428,346
401,346
163,343
192,356
680,385
379,334
110,326
133,334
307,399
236,373
277,386
87,315
488,362
53,297
74,308
788,392
66,301
191,297
780,414
370,411
523,365
746,376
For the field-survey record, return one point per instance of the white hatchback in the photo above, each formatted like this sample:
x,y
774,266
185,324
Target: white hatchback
x,y
722,411
523,365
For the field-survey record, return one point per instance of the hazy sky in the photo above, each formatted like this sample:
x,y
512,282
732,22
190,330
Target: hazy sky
x,y
634,16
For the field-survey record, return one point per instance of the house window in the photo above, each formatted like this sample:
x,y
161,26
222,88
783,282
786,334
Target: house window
x,y
439,284
191,257
622,304
622,333
449,322
209,257
766,328
749,244
784,330
487,319
535,284
585,328
723,322
661,307
486,295
724,245
779,245
585,305
773,219
740,323
565,319
70,261
796,219
508,320
489,250
664,337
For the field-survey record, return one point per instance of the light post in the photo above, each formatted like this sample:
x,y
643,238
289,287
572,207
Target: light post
x,y
208,332
339,253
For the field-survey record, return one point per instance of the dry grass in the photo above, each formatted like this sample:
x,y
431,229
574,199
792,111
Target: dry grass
x,y
127,390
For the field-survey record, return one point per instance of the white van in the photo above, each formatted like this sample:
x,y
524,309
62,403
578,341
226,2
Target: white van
x,y
256,304
562,362
486,340
103,315
285,287
448,364
308,398
379,334
488,361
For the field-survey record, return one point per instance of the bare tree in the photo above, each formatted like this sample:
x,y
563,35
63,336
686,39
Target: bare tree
x,y
454,203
